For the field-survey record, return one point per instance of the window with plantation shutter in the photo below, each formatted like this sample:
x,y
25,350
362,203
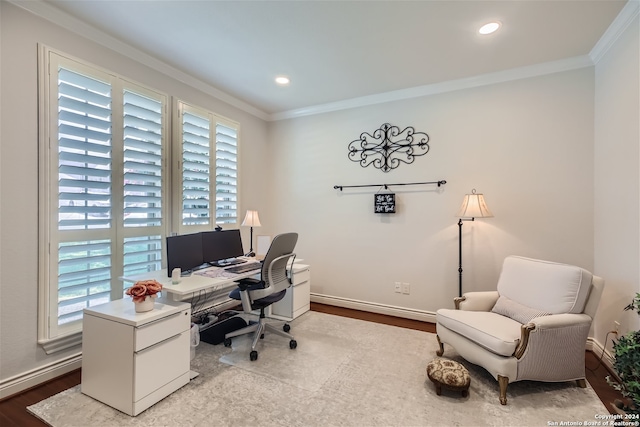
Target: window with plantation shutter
x,y
103,211
208,184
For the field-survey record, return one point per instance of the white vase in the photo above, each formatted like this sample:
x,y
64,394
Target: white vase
x,y
146,305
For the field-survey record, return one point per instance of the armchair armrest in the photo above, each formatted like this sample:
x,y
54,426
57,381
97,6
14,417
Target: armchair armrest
x,y
476,301
561,320
550,322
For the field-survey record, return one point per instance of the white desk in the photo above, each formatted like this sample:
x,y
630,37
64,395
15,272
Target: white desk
x,y
205,279
296,302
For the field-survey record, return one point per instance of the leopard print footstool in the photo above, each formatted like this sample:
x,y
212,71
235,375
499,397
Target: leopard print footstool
x,y
449,374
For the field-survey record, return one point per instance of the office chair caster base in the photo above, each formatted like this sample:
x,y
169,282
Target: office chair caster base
x,y
293,344
227,342
253,355
286,327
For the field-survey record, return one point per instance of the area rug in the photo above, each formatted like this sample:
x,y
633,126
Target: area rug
x,y
344,372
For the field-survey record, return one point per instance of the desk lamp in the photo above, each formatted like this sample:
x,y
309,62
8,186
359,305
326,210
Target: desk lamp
x,y
251,220
473,206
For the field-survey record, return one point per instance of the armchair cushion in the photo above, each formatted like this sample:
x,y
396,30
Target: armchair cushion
x,y
548,286
496,333
516,311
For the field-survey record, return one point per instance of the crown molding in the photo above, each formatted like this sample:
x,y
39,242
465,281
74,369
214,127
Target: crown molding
x,y
545,68
46,11
628,13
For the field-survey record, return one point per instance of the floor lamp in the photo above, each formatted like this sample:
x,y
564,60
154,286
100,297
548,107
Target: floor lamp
x,y
251,220
473,206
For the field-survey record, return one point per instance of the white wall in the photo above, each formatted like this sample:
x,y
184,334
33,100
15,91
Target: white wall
x,y
617,181
20,34
526,144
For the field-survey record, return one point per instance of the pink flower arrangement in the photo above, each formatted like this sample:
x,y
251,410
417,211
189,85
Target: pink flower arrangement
x,y
141,289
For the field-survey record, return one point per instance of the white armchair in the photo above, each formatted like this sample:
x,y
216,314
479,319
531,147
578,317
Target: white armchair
x,y
533,327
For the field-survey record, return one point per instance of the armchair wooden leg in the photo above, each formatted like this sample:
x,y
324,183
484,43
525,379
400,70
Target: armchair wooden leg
x,y
582,383
503,382
441,351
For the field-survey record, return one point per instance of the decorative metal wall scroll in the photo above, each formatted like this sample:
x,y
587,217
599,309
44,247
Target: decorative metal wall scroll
x,y
384,203
387,147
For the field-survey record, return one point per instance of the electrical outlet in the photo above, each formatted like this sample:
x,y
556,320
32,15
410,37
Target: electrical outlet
x,y
616,326
398,287
406,288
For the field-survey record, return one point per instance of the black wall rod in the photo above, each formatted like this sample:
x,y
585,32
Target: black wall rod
x,y
386,186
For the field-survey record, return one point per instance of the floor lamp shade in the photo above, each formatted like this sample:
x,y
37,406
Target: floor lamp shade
x,y
251,219
473,206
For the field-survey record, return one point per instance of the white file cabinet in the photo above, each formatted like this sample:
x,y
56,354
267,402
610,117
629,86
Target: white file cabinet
x,y
298,297
132,360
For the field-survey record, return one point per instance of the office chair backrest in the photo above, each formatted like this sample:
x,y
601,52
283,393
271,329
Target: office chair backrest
x,y
274,267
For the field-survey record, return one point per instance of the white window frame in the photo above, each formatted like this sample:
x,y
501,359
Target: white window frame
x,y
180,107
51,335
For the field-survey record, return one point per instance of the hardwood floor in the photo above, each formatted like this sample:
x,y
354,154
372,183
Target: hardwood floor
x,y
13,410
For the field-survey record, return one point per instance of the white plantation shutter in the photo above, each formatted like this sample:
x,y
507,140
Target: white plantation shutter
x,y
226,174
142,160
84,153
104,214
84,277
206,136
143,207
84,157
142,254
196,183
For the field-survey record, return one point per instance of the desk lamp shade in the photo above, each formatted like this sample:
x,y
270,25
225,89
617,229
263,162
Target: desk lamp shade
x,y
251,220
474,206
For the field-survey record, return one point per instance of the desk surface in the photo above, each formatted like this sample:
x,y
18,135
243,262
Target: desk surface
x,y
212,277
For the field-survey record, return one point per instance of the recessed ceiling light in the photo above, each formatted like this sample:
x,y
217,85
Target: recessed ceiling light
x,y
282,80
489,28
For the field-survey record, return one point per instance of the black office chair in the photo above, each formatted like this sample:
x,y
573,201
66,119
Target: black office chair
x,y
270,288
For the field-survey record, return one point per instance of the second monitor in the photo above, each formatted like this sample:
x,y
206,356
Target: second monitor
x,y
220,248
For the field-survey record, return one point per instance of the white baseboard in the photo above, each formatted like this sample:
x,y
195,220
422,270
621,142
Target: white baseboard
x,y
390,310
597,349
34,377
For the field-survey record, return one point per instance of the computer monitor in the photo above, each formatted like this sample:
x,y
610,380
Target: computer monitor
x,y
218,246
184,252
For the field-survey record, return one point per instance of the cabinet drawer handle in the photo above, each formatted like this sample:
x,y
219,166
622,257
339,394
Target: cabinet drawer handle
x,y
164,319
144,350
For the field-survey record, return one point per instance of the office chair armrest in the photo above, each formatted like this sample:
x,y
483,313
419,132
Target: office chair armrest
x,y
250,284
292,256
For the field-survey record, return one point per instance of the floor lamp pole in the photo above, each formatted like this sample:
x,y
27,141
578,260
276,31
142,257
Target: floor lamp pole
x,y
460,254
460,257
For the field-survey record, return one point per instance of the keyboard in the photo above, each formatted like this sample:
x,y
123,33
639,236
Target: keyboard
x,y
243,268
227,262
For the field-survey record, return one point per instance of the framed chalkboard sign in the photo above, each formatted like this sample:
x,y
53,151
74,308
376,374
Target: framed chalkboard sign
x,y
384,203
